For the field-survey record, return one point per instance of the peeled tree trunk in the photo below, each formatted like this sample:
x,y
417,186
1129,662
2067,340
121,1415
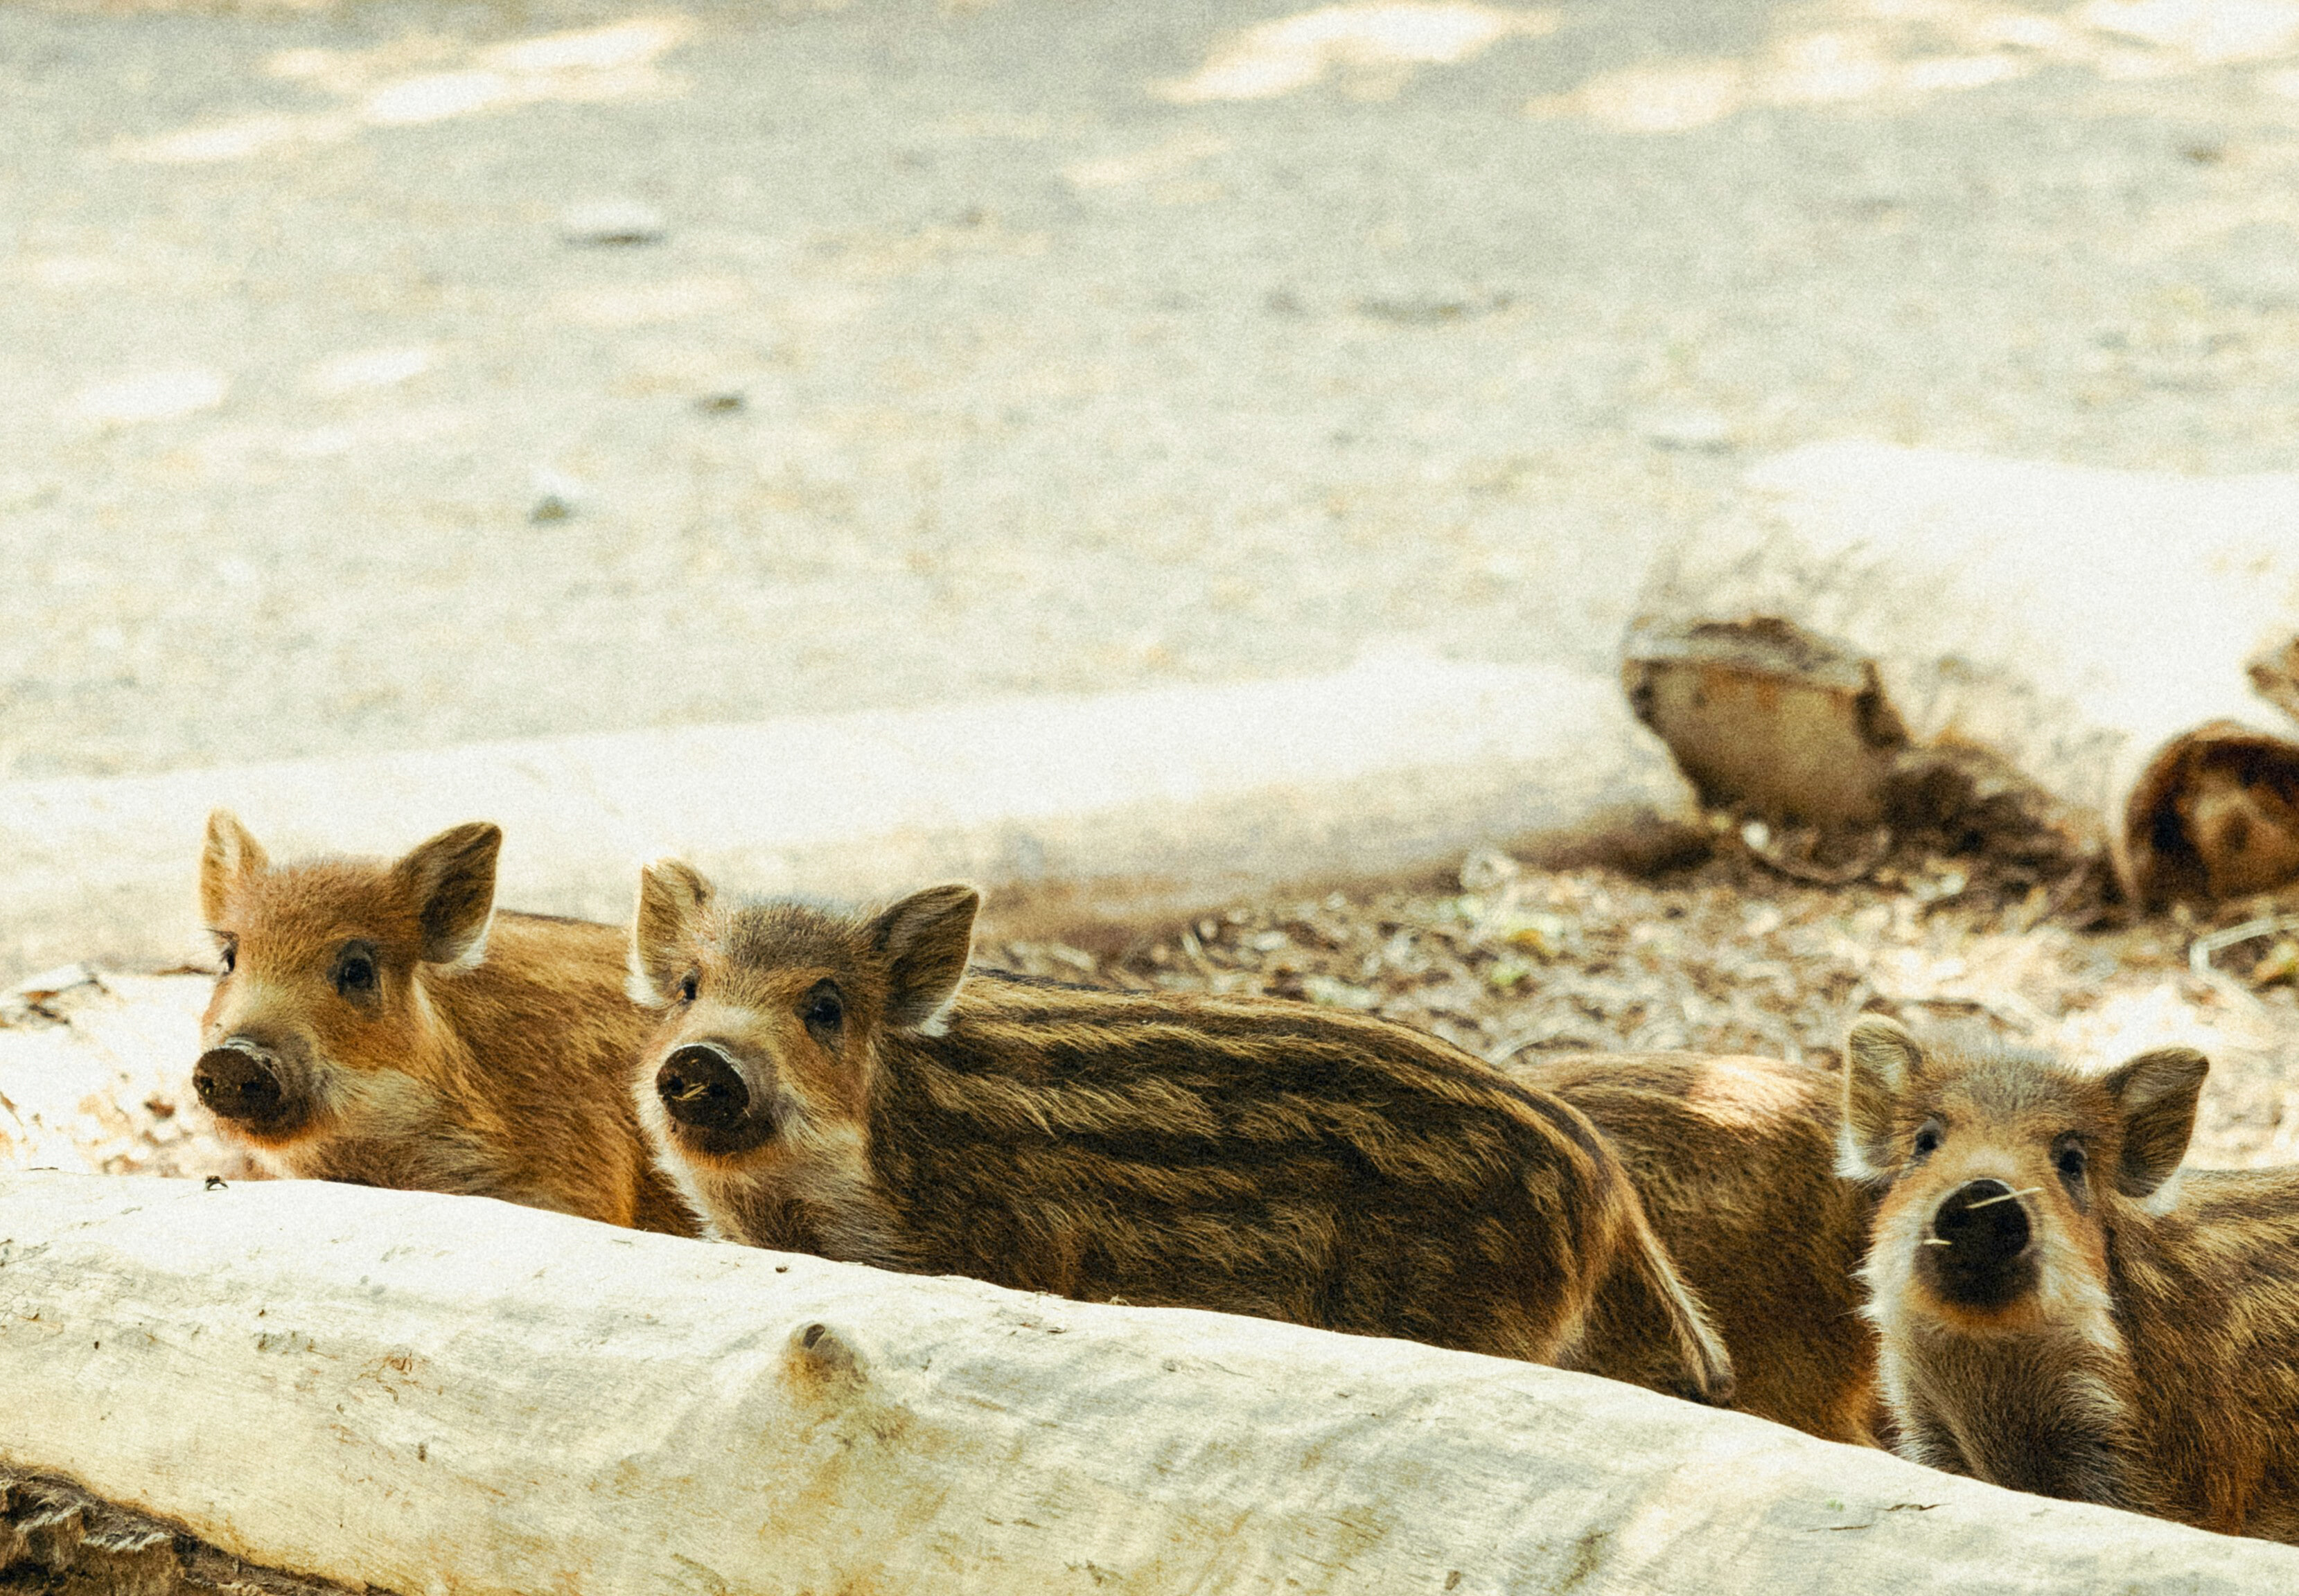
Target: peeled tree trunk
x,y
431,1393
1073,812
2072,658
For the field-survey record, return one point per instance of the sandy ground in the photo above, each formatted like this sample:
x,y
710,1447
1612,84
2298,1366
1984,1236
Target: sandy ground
x,y
1724,956
931,351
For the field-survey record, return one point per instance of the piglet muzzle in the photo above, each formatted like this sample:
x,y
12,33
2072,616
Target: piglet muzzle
x,y
710,1105
240,1082
1981,1252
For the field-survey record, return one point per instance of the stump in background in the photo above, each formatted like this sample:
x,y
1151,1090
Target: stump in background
x,y
2042,661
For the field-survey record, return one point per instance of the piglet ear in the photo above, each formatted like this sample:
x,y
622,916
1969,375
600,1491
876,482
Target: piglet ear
x,y
672,898
2156,1094
926,939
230,855
452,879
1880,1060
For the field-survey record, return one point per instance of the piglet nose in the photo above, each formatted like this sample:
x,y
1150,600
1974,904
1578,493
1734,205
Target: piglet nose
x,y
1984,1221
700,1087
240,1081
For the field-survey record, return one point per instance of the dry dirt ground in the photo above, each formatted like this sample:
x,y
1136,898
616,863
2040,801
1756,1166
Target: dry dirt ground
x,y
1727,955
963,348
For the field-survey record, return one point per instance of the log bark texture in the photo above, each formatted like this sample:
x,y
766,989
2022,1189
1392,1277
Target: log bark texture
x,y
1905,634
447,1395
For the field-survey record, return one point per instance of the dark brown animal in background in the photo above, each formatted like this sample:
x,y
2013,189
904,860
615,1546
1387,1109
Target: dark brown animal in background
x,y
834,1084
2064,1309
2241,817
1735,1160
378,1023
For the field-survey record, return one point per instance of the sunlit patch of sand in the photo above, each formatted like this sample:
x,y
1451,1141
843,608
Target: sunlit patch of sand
x,y
150,396
587,65
370,369
1892,54
1377,42
2204,32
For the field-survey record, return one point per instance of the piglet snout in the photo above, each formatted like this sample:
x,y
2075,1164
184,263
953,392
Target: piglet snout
x,y
240,1081
1982,1235
700,1087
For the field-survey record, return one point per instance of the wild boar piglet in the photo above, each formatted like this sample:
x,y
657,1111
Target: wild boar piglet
x,y
1735,1160
2063,1308
836,1083
379,1023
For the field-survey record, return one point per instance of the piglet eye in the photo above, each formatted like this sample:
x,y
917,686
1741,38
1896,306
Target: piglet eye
x,y
824,1013
689,984
229,956
355,974
2069,1159
1927,1139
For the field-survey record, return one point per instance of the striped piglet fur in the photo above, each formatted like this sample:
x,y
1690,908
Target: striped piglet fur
x,y
840,1084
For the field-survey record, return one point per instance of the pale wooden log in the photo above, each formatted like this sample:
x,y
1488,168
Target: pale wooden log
x,y
1888,618
1071,811
435,1393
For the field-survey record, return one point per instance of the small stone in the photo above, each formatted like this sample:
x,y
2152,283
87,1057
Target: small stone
x,y
611,222
1701,431
722,404
1325,990
1544,936
1761,920
557,497
1488,870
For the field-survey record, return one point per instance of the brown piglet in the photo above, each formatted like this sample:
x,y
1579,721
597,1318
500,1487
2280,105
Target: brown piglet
x,y
379,1023
2061,1308
1735,1160
836,1083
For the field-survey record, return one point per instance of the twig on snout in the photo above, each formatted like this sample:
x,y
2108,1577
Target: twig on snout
x,y
1936,1241
2006,1197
